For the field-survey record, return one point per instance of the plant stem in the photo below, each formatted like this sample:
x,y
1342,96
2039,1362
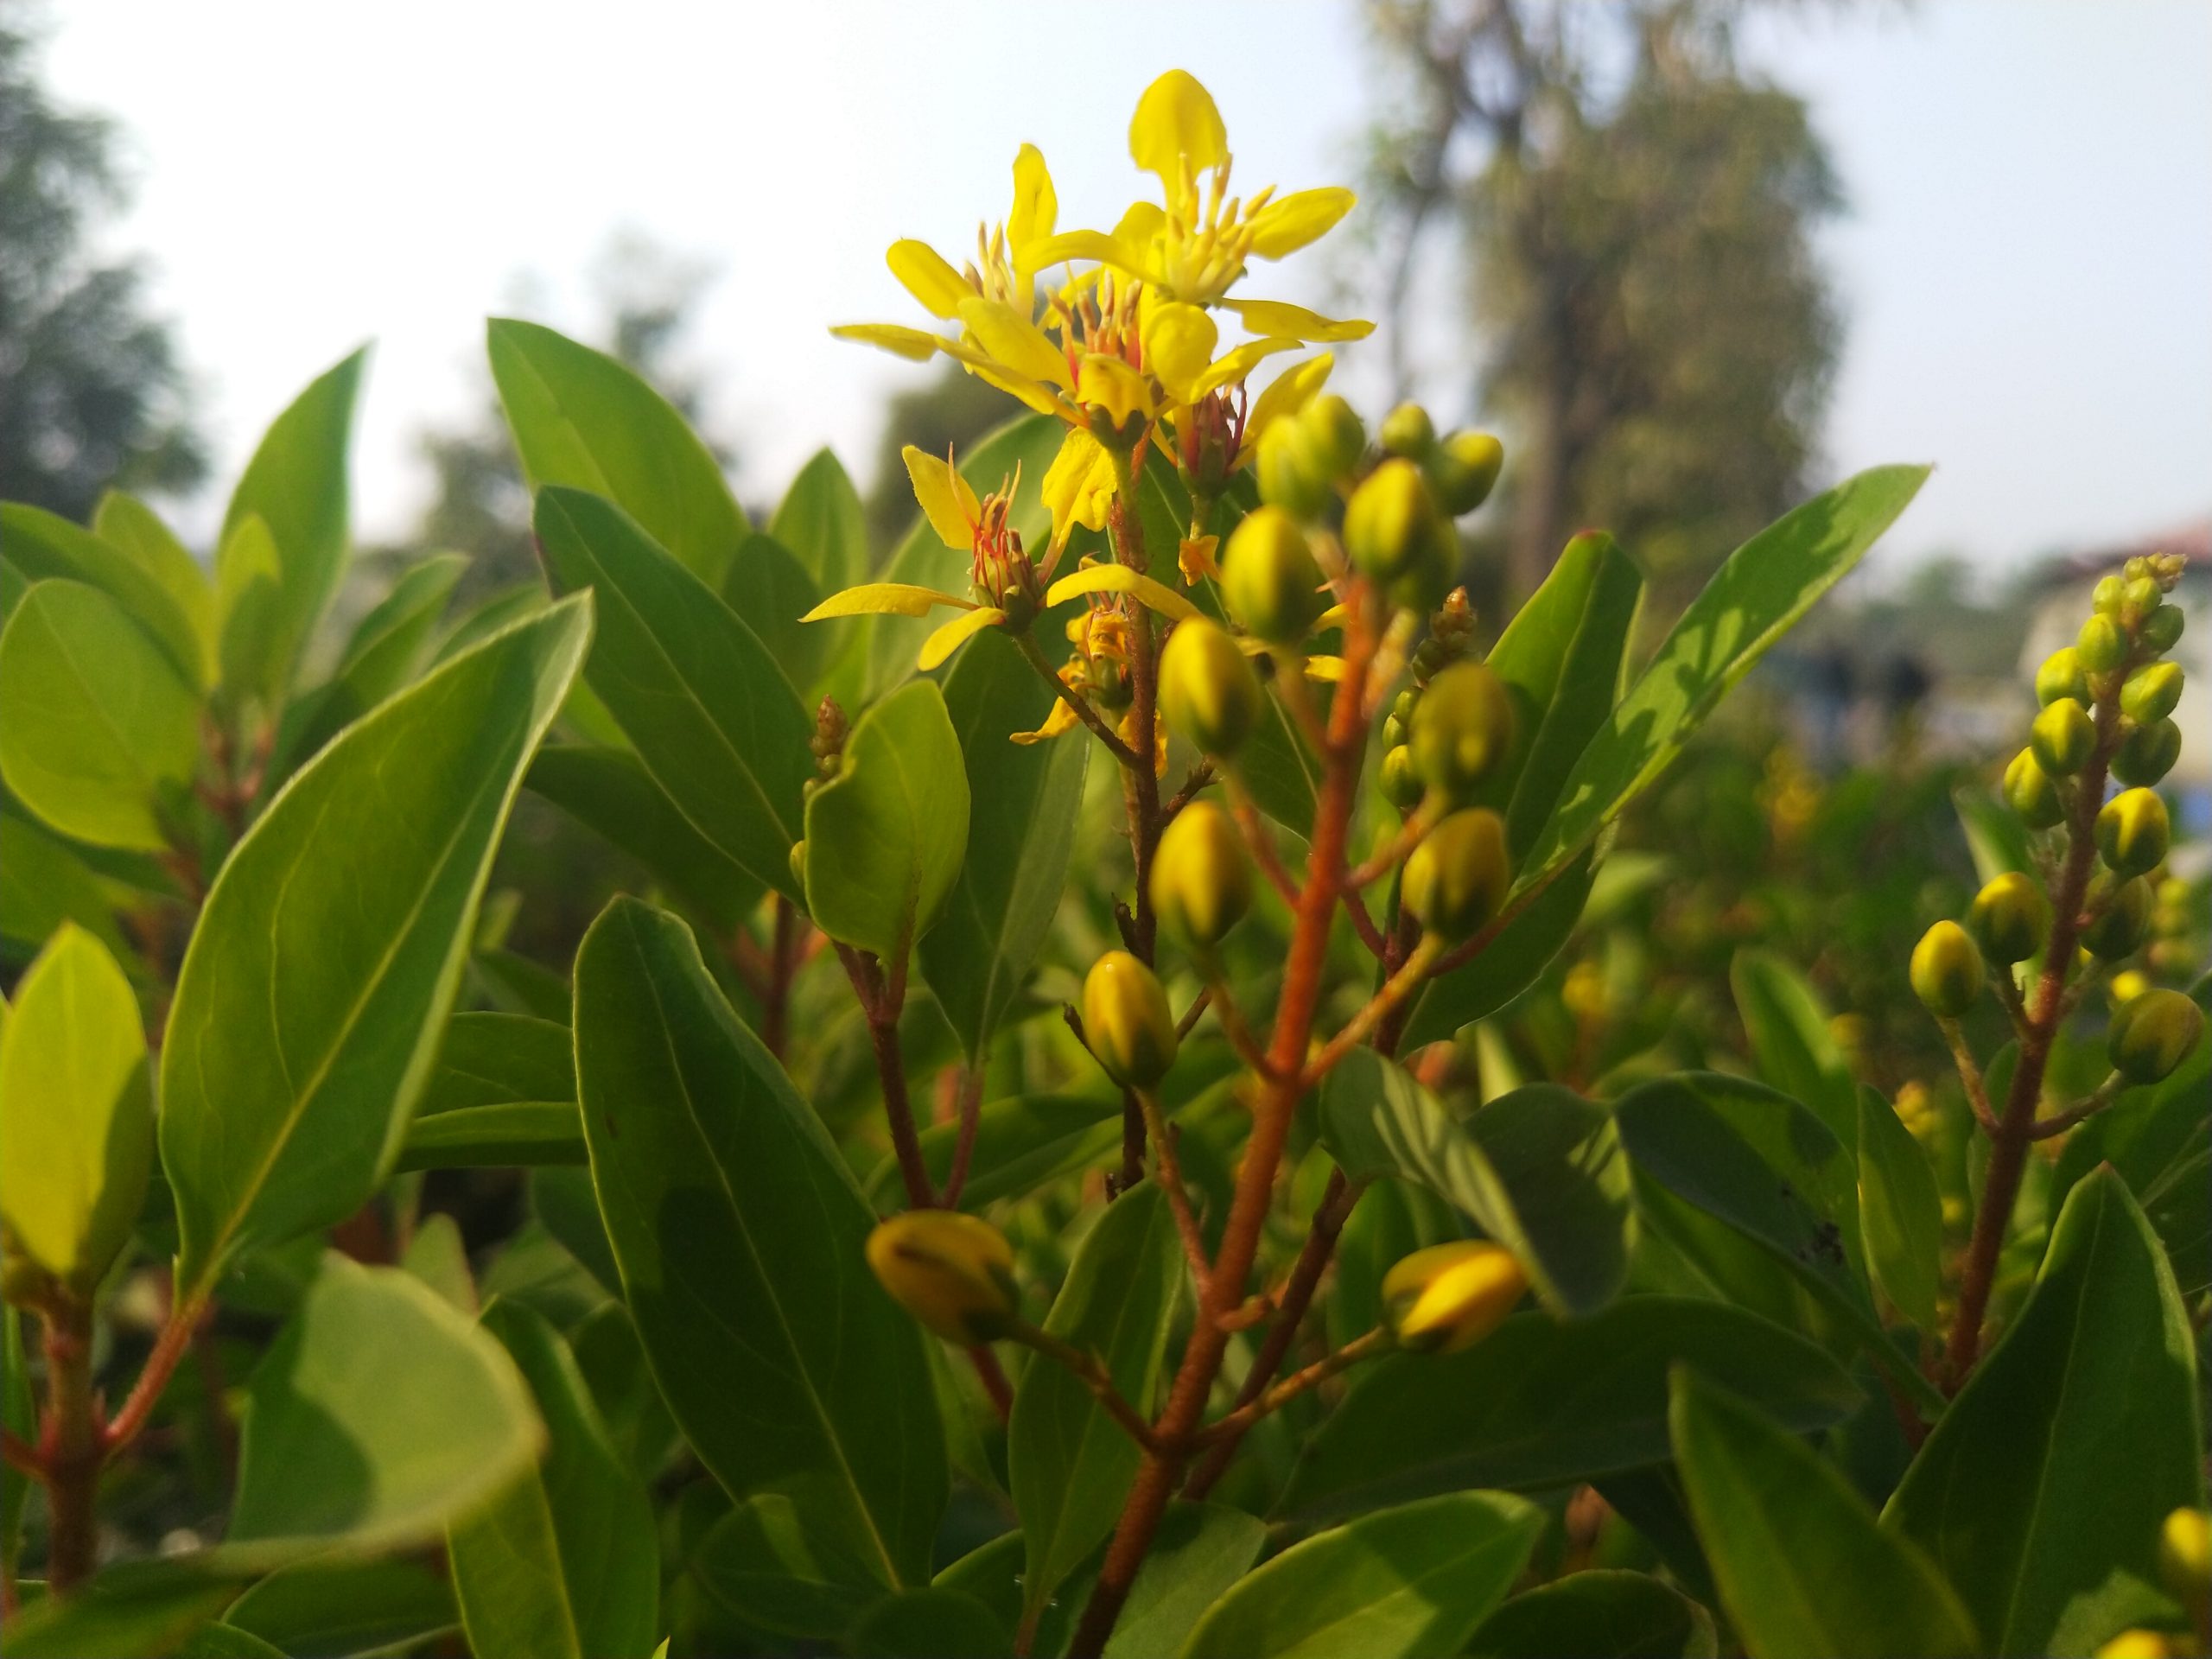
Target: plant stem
x,y
1970,1077
70,1445
1395,990
1075,700
1236,1422
170,1347
964,1149
1095,1376
881,1006
1178,1196
782,966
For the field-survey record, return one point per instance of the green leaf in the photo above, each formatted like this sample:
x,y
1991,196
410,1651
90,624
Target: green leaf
x,y
1901,1211
2041,1492
1200,1550
43,883
297,484
887,832
43,546
1752,599
250,644
928,1623
1407,1583
148,1609
312,996
100,733
767,586
1068,1463
1024,800
1539,1169
1996,837
1788,1026
1279,771
1604,1614
711,716
739,1234
564,1560
1510,963
126,522
499,609
386,649
76,1112
1802,1565
584,421
762,1563
520,1133
489,1059
1537,1403
2159,1139
327,1610
822,522
226,1640
1022,1142
438,1256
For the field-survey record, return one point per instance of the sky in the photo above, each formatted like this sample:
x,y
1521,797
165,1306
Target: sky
x,y
2027,269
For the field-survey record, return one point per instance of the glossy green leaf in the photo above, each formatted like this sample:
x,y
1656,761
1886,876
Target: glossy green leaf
x,y
1199,1552
928,1623
1279,771
438,1256
887,832
385,649
76,1112
147,1609
2159,1139
223,1640
1901,1211
311,1000
567,1206
331,1609
767,586
125,522
1539,1169
711,716
564,1560
584,421
1022,1142
739,1234
490,1059
1411,1582
516,1134
100,733
1754,598
1603,1614
1996,837
762,1562
1068,1462
42,546
44,883
501,608
249,642
1791,1044
2041,1492
1538,1403
1024,802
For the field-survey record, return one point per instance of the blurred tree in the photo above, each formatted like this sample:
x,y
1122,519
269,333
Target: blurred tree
x,y
92,392
953,410
1637,215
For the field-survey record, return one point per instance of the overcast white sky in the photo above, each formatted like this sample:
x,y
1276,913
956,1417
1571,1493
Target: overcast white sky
x,y
2027,269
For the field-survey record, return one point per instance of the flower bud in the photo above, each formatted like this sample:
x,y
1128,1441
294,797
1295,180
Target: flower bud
x,y
1456,878
2147,753
2029,793
1462,728
1207,688
2139,597
2162,629
952,1272
2152,693
2134,832
1335,439
1401,779
1291,478
1464,469
2122,921
2061,675
2143,1643
2125,988
2153,1035
2105,597
1269,579
1947,971
798,863
1451,1296
1126,1022
1392,522
2100,647
1408,432
2185,1555
2063,737
1201,878
2011,917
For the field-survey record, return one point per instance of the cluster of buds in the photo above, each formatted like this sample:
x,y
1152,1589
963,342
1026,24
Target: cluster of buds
x,y
1001,569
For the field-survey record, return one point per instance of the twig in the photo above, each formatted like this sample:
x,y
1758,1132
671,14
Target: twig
x,y
1234,1426
1230,1018
1094,1376
20,1456
1363,924
170,1346
1969,1075
2059,1122
1264,853
882,1014
1193,1014
1394,990
964,1148
1075,700
1171,1178
1199,777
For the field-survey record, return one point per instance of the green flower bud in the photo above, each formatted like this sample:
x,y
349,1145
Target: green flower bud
x,y
2152,1034
1462,728
1125,1020
2152,693
1392,521
2011,917
2139,597
1408,431
1464,470
1400,779
1394,731
1402,706
1947,971
2162,629
1201,877
2104,598
2031,793
2147,753
2061,675
1335,439
2063,737
1207,688
2132,567
2100,646
2121,922
952,1272
798,863
1269,579
2133,832
1456,878
1451,1296
1291,476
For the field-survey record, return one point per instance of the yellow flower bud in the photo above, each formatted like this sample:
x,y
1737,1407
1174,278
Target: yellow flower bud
x,y
2162,629
2133,832
1201,877
2139,597
2031,793
1451,1296
1464,469
2147,753
1462,728
2126,986
2100,647
1407,432
1269,579
2152,693
2061,675
1126,1021
1207,688
1947,971
2063,737
1334,437
2104,598
2152,1034
1392,524
1291,476
1456,878
952,1272
1400,779
2011,917
2185,1555
2121,923
2140,1643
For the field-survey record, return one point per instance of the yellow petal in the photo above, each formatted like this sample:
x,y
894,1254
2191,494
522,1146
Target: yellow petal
x,y
1273,320
1120,579
1325,668
1079,485
926,275
1289,223
1036,207
1038,397
1292,389
885,599
1176,122
954,634
1015,342
1194,557
950,504
1062,719
1111,385
1079,244
1142,222
906,343
1239,363
1178,342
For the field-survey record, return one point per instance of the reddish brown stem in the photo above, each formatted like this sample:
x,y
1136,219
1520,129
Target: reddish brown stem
x,y
70,1448
170,1346
783,967
963,1148
880,1003
992,1376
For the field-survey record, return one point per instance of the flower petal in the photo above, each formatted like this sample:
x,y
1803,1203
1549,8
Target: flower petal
x,y
912,343
954,634
885,599
1291,390
1289,223
926,275
1078,484
1062,719
1036,205
1178,342
1176,123
1015,342
1108,383
1120,579
950,504
1079,244
1239,363
1274,319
